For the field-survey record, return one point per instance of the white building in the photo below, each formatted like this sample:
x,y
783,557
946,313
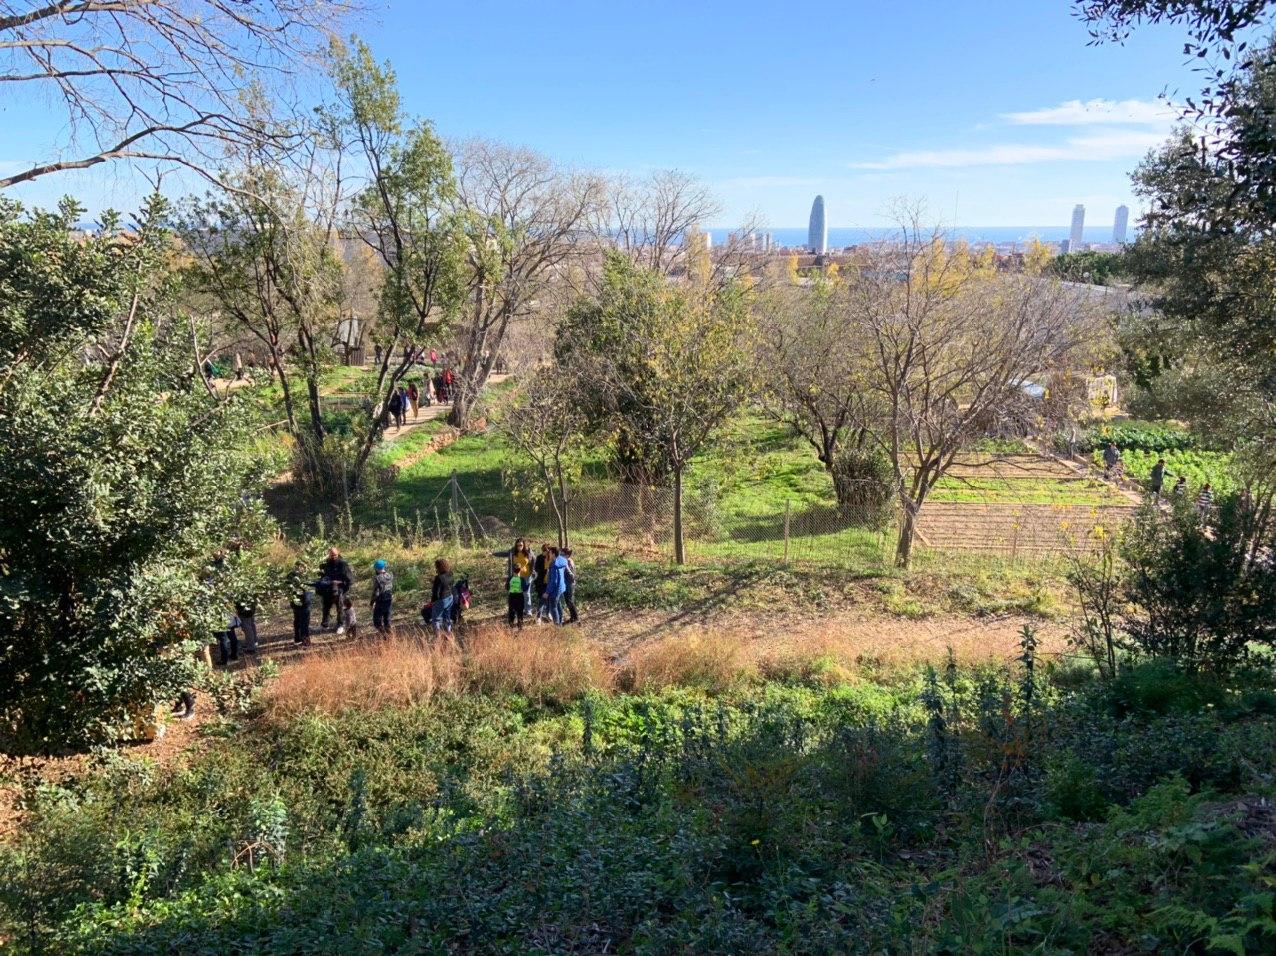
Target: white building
x,y
1121,225
817,236
1076,238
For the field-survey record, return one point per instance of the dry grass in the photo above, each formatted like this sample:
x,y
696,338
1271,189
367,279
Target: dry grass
x,y
374,674
710,660
558,666
366,676
547,665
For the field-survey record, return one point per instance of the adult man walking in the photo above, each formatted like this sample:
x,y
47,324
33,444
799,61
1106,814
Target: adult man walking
x,y
1157,479
335,581
1111,458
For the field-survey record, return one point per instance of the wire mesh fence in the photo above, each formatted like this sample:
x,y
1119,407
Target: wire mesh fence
x,y
639,521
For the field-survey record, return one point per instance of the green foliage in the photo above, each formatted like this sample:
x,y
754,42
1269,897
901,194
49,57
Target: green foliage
x,y
865,485
1135,436
1197,595
659,365
1161,686
1098,268
126,476
1197,467
924,816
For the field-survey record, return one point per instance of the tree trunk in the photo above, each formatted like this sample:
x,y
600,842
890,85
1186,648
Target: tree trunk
x,y
277,364
316,409
679,549
907,532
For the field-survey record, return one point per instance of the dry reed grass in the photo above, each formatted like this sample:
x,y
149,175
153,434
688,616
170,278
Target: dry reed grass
x,y
553,665
712,661
368,675
548,665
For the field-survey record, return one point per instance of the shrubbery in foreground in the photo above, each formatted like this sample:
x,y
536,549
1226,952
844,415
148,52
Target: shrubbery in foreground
x,y
973,811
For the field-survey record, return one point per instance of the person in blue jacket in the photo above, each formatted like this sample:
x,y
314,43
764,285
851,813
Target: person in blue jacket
x,y
556,585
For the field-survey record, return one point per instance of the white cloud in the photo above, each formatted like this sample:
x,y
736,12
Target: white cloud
x,y
1096,112
1095,147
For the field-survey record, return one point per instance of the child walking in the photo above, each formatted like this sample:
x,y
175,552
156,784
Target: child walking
x,y
517,607
348,619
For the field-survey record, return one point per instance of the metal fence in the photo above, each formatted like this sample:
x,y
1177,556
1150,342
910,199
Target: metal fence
x,y
639,521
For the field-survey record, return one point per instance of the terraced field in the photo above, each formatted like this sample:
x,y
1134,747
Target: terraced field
x,y
1021,504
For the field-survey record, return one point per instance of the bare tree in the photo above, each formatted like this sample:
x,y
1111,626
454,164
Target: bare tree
x,y
547,431
812,379
524,221
944,345
648,219
156,80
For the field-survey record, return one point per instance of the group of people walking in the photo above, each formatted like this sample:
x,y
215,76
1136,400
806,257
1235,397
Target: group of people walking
x,y
413,396
549,578
1114,467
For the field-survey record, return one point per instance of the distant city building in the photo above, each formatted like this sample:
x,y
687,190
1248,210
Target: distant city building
x,y
817,237
1076,238
1065,246
1121,224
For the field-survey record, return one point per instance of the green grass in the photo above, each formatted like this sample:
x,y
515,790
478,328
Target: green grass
x,y
1035,491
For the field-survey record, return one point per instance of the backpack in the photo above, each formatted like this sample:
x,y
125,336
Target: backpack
x,y
384,584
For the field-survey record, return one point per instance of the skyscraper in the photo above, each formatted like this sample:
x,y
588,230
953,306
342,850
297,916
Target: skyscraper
x,y
1077,236
817,237
1121,224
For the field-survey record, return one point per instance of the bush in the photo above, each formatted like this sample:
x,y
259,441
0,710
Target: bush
x,y
865,486
1162,686
1194,591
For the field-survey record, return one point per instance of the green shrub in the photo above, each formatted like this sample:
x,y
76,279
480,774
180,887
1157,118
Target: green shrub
x,y
1162,686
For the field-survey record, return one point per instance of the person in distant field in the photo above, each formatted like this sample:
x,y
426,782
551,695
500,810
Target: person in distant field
x,y
569,593
246,611
556,586
404,402
442,596
1205,499
449,382
376,353
349,620
228,641
518,561
299,600
514,616
1111,458
382,596
336,581
1156,480
440,391
395,408
1179,491
540,574
414,398
427,391
434,357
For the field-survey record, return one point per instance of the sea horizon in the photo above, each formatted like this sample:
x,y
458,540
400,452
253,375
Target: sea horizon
x,y
840,236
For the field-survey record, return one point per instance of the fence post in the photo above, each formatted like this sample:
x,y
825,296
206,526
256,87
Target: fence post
x,y
788,508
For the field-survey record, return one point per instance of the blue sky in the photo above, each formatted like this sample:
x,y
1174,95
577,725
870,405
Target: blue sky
x,y
992,113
